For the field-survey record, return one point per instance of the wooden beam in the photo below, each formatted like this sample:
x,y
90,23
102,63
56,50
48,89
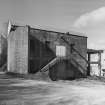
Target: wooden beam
x,y
99,65
95,62
88,69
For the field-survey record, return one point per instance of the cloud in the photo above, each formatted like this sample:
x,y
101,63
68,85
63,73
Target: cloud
x,y
97,45
96,17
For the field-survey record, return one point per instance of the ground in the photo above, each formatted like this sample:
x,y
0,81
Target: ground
x,y
20,91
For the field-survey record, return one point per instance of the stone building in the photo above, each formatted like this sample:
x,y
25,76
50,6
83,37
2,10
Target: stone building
x,y
31,50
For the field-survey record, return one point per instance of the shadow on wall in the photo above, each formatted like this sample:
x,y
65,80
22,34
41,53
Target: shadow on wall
x,y
65,70
40,54
76,68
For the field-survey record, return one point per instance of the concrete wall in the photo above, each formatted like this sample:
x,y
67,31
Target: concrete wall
x,y
72,69
40,54
29,52
80,44
18,50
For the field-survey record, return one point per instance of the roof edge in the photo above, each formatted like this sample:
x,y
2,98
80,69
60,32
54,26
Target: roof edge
x,y
71,33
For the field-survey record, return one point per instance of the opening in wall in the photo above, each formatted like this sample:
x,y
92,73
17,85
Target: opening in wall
x,y
60,51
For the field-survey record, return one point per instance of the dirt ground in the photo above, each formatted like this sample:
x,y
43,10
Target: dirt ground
x,y
20,91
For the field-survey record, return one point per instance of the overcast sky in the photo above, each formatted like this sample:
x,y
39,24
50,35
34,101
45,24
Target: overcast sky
x,y
86,16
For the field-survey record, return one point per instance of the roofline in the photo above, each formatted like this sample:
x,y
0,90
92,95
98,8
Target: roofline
x,y
72,34
67,33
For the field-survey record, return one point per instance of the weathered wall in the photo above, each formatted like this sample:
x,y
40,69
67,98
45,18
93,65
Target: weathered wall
x,y
40,53
18,50
65,70
80,44
29,52
61,70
